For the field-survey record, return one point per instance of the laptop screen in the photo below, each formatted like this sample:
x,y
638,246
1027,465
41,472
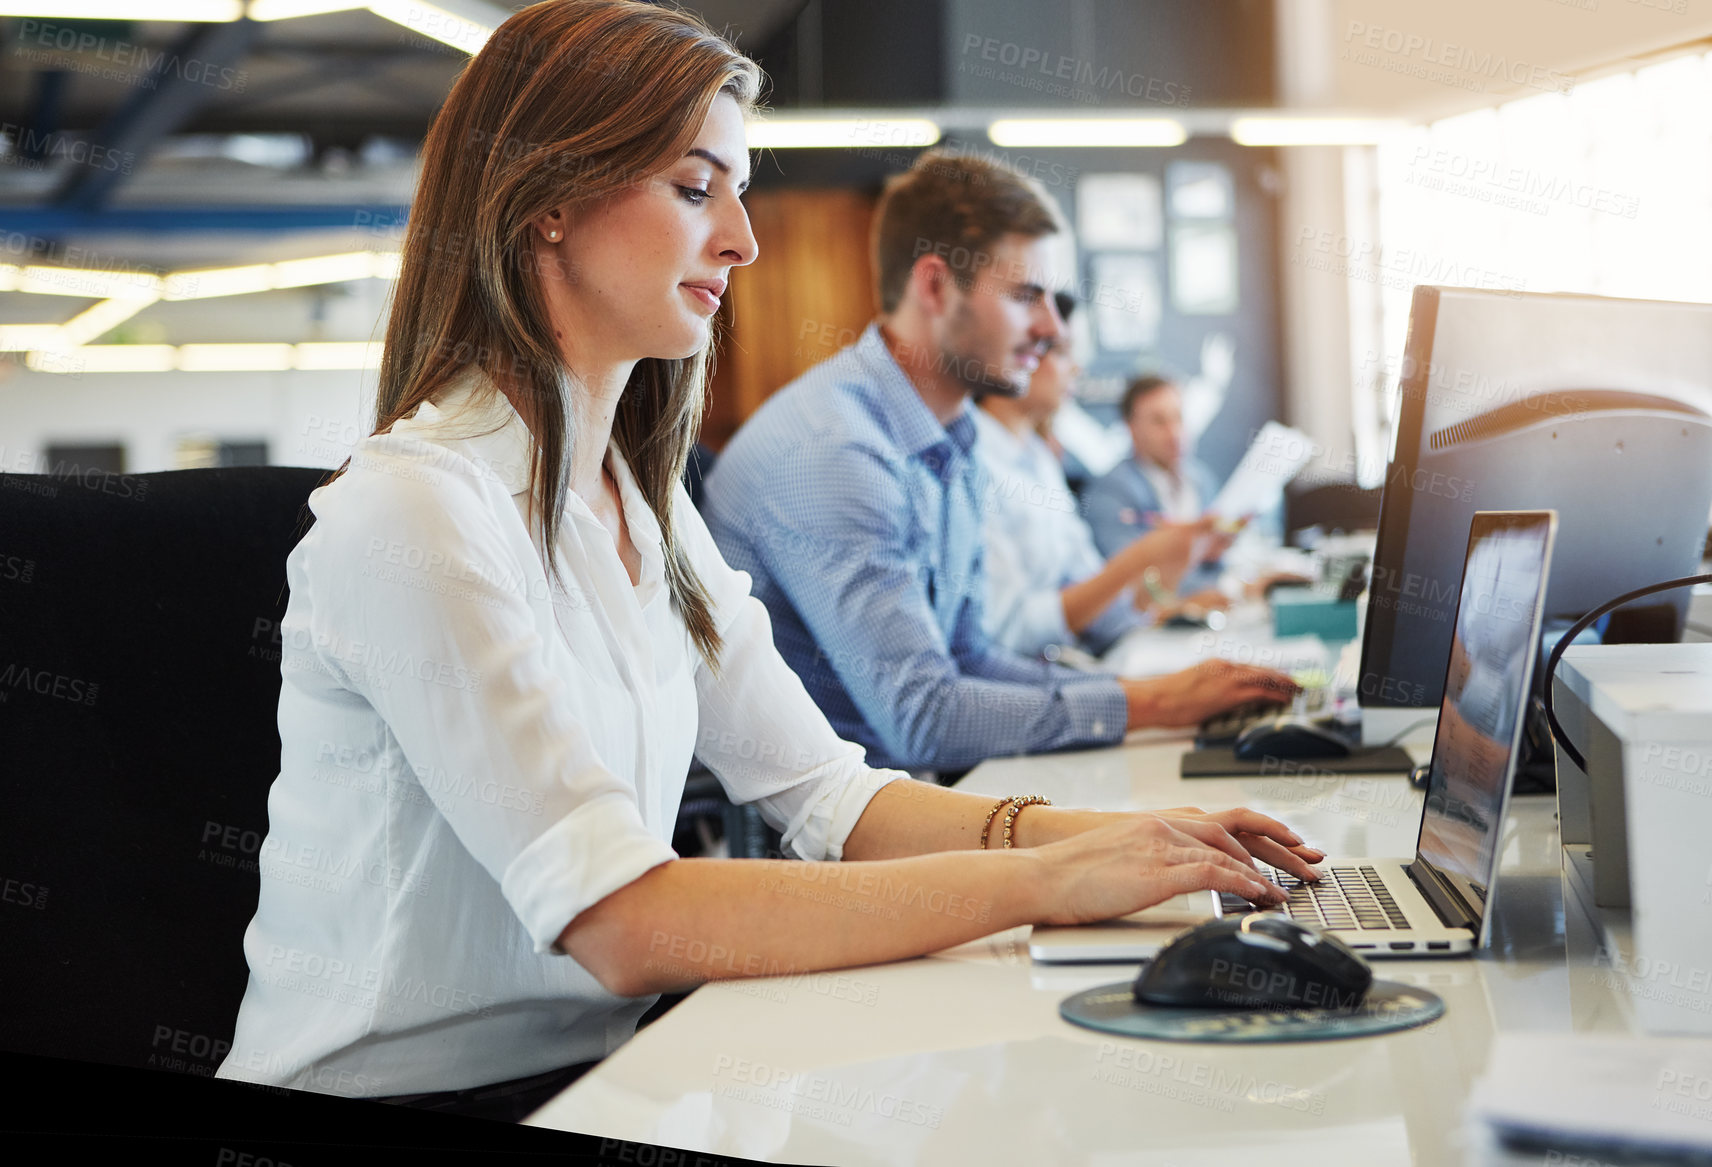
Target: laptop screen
x,y
1493,646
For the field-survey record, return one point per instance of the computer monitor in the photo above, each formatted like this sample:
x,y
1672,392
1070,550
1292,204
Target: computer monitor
x,y
1597,408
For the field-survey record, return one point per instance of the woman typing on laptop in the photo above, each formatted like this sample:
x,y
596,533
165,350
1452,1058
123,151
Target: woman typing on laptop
x,y
509,631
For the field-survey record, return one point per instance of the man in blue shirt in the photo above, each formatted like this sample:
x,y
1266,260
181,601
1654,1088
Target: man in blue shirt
x,y
852,498
1160,480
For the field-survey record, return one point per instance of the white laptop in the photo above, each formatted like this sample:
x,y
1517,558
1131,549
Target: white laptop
x,y
1441,902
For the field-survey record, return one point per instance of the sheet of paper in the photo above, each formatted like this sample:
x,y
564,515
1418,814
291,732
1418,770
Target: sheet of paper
x,y
1276,455
1650,1091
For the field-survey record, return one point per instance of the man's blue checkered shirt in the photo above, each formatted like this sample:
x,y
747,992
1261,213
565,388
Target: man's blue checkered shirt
x,y
857,514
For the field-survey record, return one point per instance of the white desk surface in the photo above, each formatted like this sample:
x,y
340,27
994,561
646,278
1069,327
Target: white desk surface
x,y
1245,636
961,1057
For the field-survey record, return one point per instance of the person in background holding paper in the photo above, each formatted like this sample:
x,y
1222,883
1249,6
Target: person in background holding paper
x,y
1088,448
1160,481
1047,584
851,498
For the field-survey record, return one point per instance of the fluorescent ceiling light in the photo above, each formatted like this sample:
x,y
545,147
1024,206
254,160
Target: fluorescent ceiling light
x,y
193,358
202,10
79,330
435,22
17,338
290,273
103,317
90,283
324,269
123,294
219,281
286,9
106,358
461,31
1087,132
1308,131
797,133
224,358
85,283
324,354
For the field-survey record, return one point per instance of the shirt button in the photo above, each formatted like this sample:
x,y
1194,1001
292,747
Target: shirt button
x,y
1099,727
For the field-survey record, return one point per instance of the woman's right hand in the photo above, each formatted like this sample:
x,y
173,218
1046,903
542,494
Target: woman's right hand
x,y
1136,862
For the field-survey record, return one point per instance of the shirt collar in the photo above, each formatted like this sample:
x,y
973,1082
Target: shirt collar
x,y
482,423
902,411
645,534
472,412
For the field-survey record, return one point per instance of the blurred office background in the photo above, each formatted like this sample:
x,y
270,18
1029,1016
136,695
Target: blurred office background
x,y
201,201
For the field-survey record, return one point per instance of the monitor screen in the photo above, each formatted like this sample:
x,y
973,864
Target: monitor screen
x,y
1597,408
1494,643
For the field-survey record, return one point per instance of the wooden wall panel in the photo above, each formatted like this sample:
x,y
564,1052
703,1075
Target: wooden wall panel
x,y
809,293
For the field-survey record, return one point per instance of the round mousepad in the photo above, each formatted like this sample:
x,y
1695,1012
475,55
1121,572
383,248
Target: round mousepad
x,y
1388,1007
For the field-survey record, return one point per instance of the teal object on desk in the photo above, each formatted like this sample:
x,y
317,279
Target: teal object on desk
x,y
1305,612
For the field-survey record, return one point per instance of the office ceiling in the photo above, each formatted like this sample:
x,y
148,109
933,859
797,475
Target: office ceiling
x,y
326,108
339,77
275,140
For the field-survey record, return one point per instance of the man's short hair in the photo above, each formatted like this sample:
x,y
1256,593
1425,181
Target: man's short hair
x,y
956,206
1140,387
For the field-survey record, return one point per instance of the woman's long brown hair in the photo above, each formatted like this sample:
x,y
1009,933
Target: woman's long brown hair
x,y
571,101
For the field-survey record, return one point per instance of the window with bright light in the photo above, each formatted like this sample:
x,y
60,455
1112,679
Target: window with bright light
x,y
1606,190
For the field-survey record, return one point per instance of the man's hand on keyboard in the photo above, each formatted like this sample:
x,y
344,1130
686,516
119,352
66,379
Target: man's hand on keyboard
x,y
1265,838
1191,696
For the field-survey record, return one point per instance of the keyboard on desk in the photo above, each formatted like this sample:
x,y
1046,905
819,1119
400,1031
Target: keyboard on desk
x,y
1222,729
1346,897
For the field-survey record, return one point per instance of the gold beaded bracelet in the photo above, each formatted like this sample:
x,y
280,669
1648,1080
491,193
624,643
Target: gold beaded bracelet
x,y
1014,805
1016,808
988,825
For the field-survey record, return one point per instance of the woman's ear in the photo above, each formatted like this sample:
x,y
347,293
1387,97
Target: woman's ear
x,y
550,226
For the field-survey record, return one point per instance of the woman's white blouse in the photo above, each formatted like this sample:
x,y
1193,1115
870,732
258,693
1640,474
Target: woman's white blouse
x,y
471,756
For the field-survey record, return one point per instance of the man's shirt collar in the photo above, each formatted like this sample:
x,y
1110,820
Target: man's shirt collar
x,y
903,413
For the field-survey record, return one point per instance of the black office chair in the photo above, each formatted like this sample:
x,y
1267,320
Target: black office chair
x,y
139,692
139,698
746,834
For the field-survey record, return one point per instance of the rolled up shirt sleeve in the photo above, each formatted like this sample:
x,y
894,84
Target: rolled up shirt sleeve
x,y
760,732
479,709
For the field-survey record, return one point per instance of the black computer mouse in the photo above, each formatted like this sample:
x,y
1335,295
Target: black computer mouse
x,y
1288,737
1255,961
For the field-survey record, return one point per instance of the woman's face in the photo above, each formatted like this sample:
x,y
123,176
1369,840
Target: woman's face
x,y
643,273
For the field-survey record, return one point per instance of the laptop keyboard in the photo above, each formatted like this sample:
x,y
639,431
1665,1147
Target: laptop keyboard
x,y
1347,897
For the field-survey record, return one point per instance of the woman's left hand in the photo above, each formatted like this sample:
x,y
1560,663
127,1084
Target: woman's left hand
x,y
1265,838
